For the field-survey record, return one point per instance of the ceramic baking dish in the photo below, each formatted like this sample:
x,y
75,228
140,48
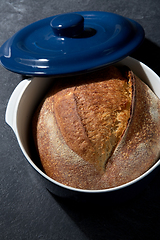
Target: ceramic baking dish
x,y
19,113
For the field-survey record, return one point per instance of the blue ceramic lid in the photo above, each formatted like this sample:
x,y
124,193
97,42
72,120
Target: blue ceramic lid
x,y
70,43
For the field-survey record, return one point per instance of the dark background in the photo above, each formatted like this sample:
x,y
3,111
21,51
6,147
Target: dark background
x,y
27,210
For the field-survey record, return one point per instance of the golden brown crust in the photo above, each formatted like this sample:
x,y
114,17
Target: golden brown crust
x,y
92,133
93,116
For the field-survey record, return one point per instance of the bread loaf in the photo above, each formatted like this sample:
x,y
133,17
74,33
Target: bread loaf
x,y
98,130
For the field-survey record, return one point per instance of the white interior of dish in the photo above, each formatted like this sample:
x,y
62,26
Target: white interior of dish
x,y
32,93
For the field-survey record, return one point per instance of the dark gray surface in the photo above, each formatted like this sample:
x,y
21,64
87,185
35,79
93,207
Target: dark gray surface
x,y
27,210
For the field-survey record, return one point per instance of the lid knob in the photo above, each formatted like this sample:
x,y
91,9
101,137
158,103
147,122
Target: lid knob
x,y
68,25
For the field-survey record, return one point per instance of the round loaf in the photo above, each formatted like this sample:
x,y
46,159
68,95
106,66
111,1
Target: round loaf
x,y
98,130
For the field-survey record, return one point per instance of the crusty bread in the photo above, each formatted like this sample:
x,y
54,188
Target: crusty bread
x,y
98,130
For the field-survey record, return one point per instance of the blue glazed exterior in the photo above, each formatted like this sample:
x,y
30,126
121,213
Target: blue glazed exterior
x,y
38,49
